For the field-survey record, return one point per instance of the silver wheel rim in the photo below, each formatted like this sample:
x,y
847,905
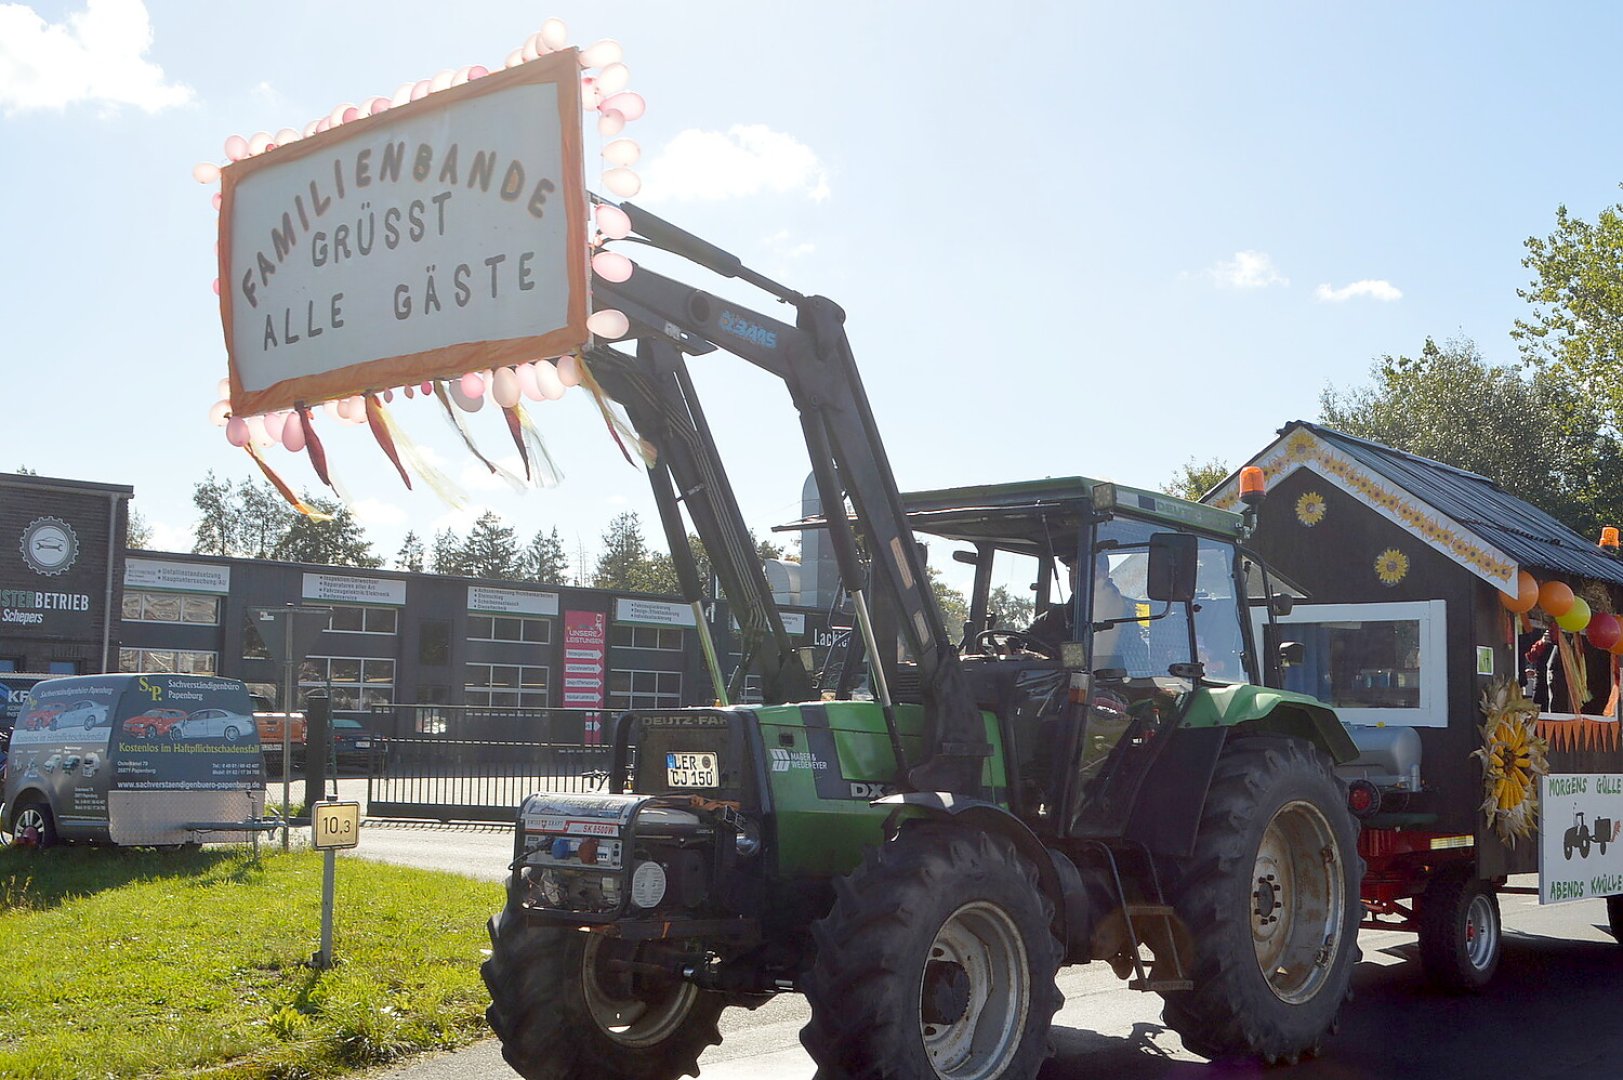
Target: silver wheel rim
x,y
29,817
1297,902
633,1021
981,938
1481,932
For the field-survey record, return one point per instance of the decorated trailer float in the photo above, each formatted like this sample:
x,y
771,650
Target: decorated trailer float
x,y
1470,642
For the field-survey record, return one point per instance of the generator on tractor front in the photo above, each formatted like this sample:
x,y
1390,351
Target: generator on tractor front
x,y
919,850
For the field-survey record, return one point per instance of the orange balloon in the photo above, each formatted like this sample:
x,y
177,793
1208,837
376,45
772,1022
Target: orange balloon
x,y
1555,598
1526,594
1617,647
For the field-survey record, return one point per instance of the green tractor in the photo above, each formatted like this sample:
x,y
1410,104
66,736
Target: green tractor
x,y
919,839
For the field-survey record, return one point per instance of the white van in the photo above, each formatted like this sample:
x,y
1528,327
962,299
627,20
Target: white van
x,y
85,765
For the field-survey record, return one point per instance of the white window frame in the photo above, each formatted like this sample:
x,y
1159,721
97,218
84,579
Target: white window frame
x,y
132,658
633,698
528,697
182,598
522,620
1432,615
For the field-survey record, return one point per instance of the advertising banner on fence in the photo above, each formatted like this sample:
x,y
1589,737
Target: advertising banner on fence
x,y
1579,853
586,640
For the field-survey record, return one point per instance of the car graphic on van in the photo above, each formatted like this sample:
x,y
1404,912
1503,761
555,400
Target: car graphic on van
x,y
156,723
217,724
86,713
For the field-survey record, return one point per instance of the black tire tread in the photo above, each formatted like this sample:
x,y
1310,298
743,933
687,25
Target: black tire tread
x,y
538,1011
853,986
1441,954
1213,1019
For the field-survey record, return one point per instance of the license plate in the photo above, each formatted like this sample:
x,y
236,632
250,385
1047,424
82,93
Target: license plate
x,y
690,770
363,745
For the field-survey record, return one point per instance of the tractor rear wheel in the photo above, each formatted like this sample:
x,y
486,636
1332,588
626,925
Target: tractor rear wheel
x,y
936,961
566,1011
1614,916
1459,931
1270,899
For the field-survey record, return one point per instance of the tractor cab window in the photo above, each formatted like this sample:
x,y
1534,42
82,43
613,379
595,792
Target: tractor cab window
x,y
1219,641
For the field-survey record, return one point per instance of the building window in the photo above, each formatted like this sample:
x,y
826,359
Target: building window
x,y
356,683
363,620
434,646
168,661
504,685
253,645
645,690
509,628
663,638
171,608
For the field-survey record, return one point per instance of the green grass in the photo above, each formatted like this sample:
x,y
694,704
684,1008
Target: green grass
x,y
140,963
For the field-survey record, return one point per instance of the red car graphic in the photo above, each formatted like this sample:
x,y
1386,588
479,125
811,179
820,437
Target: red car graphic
x,y
155,722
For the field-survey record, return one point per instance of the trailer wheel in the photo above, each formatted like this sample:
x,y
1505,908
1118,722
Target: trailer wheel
x,y
936,961
33,825
565,1011
1270,899
1614,916
1459,931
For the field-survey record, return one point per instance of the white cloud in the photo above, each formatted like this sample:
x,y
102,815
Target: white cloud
x,y
93,56
782,245
167,537
1247,270
745,160
1375,290
376,513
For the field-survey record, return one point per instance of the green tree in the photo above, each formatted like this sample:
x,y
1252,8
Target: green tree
x,y
263,518
410,556
543,559
491,550
447,557
215,530
1013,612
137,533
340,541
1539,438
1195,478
953,604
1576,327
627,562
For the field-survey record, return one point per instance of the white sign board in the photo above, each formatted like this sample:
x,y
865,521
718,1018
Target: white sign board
x,y
655,612
162,575
354,590
434,238
1579,853
511,601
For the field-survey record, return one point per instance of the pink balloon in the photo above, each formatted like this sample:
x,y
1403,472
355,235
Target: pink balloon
x,y
419,89
612,266
472,384
569,367
410,391
205,172
526,381
236,147
478,71
388,396
627,102
379,104
611,122
293,434
236,431
505,387
323,124
428,389
613,222
217,200
216,286
275,424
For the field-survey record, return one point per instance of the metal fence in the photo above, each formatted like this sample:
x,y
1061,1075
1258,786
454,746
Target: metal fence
x,y
460,763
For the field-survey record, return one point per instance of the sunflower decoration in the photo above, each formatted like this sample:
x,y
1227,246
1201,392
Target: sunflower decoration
x,y
1310,508
1513,758
1391,566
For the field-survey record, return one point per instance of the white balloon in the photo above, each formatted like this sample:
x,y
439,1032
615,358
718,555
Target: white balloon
x,y
526,381
547,380
612,266
569,369
608,323
219,413
223,388
623,182
256,432
622,152
331,409
628,102
274,423
259,142
402,94
286,136
614,78
610,122
205,172
505,388
553,34
441,80
613,222
601,54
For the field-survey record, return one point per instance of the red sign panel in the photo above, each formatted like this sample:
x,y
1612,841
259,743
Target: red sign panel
x,y
586,640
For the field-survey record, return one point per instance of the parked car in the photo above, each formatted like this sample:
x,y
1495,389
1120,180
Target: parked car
x,y
155,723
217,724
352,742
85,713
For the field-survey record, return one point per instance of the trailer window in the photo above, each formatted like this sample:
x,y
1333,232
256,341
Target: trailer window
x,y
1372,663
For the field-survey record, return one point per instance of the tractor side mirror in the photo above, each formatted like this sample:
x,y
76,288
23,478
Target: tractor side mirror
x,y
1281,604
1291,653
1174,561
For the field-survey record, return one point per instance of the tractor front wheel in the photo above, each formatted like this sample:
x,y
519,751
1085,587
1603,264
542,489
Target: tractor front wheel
x,y
568,1006
937,961
1270,900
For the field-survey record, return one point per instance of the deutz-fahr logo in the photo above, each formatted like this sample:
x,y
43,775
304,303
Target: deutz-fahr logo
x,y
49,546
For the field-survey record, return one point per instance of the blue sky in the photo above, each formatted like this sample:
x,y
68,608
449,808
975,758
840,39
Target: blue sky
x,y
1070,237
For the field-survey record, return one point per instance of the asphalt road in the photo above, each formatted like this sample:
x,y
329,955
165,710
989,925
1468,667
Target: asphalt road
x,y
1551,1012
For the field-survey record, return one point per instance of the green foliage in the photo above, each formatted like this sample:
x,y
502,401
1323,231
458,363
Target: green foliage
x,y
1013,612
627,563
1538,438
447,557
953,604
136,963
410,556
137,533
1195,478
1577,298
491,550
544,560
338,542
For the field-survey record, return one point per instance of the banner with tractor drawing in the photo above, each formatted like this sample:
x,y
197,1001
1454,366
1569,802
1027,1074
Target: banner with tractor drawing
x,y
1581,842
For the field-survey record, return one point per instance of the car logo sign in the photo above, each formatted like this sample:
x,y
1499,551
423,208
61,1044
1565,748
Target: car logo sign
x,y
49,546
